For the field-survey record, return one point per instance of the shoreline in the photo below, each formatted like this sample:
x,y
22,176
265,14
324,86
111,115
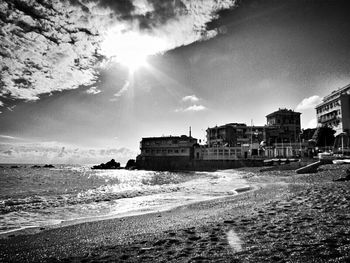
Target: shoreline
x,y
37,229
291,217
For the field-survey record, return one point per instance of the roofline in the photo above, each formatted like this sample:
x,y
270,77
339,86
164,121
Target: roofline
x,y
283,111
168,137
334,93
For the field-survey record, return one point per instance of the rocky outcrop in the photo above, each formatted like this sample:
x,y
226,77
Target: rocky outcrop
x,y
131,164
112,164
44,166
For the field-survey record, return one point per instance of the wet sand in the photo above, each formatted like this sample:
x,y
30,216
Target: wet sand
x,y
289,217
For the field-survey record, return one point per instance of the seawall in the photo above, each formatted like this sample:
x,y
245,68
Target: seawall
x,y
185,164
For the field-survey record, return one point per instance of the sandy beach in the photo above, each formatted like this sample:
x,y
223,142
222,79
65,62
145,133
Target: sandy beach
x,y
287,218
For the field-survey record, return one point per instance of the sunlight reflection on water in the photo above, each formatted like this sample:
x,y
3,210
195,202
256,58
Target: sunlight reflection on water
x,y
45,197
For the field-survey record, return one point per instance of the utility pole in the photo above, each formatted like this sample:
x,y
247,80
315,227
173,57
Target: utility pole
x,y
300,143
251,138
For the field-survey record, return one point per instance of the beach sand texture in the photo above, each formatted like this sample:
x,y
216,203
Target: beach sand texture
x,y
288,218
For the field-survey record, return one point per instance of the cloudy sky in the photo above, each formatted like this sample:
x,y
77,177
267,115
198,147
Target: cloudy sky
x,y
85,80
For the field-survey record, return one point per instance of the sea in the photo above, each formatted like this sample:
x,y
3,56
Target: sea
x,y
66,194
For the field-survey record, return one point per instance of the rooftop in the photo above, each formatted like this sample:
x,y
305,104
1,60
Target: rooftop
x,y
283,111
183,137
334,94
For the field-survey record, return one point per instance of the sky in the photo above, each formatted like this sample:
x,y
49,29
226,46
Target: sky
x,y
82,81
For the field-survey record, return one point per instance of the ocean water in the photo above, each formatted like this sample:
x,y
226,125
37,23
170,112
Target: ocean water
x,y
39,197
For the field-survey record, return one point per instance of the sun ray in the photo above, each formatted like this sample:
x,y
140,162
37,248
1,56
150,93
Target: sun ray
x,y
173,87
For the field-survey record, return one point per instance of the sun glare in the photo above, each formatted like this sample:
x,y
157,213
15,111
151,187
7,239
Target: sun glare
x,y
134,62
131,49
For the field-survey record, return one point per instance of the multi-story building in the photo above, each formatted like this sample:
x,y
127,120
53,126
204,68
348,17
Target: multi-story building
x,y
169,146
166,153
334,111
234,135
280,137
283,134
283,126
233,140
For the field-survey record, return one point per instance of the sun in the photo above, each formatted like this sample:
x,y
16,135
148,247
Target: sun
x,y
130,48
134,62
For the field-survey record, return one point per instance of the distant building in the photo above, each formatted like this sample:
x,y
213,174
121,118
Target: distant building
x,y
334,111
234,135
180,146
239,139
280,137
283,126
283,134
166,153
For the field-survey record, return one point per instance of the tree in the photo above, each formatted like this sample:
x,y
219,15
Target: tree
x,y
325,136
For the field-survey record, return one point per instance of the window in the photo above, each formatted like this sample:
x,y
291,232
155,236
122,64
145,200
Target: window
x,y
176,151
170,151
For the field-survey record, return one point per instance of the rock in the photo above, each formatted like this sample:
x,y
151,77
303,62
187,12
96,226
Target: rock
x,y
48,166
112,164
131,164
347,178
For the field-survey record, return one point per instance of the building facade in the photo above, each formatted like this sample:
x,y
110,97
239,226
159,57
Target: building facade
x,y
334,111
170,146
166,153
279,137
283,126
234,135
233,140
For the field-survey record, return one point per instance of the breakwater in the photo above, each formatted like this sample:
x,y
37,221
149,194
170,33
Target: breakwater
x,y
162,163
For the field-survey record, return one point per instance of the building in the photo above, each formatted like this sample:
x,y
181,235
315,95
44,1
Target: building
x,y
283,131
234,135
229,145
334,111
233,140
167,152
170,146
279,137
283,126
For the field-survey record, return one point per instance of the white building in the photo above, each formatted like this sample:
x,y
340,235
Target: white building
x,y
334,111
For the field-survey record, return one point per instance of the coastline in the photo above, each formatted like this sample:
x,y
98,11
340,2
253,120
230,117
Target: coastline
x,y
288,217
64,223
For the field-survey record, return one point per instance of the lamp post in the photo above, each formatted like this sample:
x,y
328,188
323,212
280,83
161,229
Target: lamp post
x,y
301,132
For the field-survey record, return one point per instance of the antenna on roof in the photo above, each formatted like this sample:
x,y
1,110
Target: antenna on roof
x,y
190,132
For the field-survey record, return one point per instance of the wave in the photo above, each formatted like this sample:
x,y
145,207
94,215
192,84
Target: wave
x,y
70,193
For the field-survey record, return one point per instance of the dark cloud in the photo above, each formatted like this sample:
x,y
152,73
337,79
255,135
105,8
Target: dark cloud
x,y
122,7
163,11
